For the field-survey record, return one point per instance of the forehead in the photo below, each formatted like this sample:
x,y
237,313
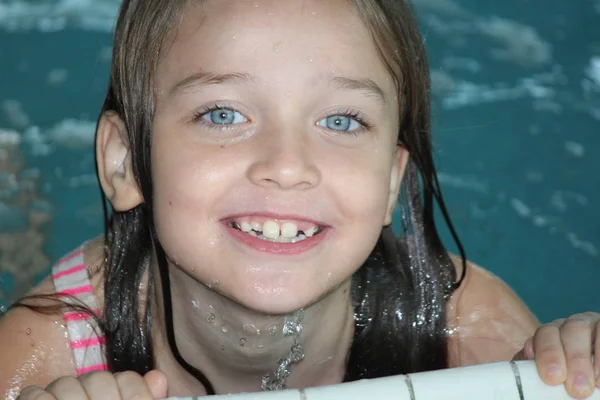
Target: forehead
x,y
275,40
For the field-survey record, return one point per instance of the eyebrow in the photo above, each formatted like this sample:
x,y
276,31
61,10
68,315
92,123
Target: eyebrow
x,y
204,78
366,85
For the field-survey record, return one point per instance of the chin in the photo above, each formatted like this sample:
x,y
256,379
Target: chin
x,y
277,301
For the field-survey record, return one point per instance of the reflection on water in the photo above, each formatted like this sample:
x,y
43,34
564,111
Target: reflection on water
x,y
23,216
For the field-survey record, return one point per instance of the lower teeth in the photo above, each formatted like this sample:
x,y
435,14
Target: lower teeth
x,y
280,239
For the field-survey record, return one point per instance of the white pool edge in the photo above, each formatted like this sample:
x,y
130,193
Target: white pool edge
x,y
499,381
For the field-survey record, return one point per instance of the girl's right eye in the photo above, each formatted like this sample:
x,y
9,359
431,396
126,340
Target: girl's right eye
x,y
223,116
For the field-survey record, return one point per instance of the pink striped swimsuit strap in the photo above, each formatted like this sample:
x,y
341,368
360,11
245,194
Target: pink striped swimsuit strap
x,y
70,277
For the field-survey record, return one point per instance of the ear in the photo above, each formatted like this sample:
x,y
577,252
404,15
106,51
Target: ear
x,y
115,168
400,161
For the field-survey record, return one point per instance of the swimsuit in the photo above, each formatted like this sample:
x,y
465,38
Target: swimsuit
x,y
73,285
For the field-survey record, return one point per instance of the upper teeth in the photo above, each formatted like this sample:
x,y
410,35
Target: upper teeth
x,y
272,230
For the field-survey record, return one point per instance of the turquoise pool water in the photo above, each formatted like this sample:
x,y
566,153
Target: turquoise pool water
x,y
517,128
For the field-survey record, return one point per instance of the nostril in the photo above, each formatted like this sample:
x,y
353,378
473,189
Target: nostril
x,y
284,173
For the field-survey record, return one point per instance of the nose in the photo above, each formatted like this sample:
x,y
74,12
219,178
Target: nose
x,y
284,160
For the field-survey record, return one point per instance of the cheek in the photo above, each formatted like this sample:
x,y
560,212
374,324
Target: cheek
x,y
363,187
363,192
186,184
187,176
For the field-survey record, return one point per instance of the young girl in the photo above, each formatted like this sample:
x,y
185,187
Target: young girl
x,y
253,153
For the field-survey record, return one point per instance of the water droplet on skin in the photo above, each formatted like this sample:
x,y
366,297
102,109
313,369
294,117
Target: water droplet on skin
x,y
195,304
28,331
225,329
32,343
251,329
242,342
210,318
272,330
223,348
213,283
277,47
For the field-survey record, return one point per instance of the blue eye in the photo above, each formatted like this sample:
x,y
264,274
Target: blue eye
x,y
224,116
341,123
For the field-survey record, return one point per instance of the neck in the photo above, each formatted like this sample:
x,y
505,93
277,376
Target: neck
x,y
240,350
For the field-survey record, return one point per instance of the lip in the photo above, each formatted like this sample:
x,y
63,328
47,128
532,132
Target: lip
x,y
265,246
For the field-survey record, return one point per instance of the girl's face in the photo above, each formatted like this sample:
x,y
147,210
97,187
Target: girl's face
x,y
275,117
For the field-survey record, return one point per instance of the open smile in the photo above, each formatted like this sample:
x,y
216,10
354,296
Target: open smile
x,y
279,236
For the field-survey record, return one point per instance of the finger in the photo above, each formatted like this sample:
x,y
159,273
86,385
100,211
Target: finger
x,y
100,385
157,383
576,337
549,355
597,353
67,388
133,386
528,352
35,393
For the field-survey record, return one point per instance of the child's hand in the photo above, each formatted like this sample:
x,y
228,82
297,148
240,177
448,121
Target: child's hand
x,y
102,385
564,353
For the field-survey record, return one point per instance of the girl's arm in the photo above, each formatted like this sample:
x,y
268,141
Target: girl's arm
x,y
34,349
488,322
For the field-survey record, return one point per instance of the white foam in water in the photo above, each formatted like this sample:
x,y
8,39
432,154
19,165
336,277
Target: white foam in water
x,y
575,149
465,93
593,70
14,113
73,133
462,63
57,77
521,208
92,15
9,137
37,142
470,183
581,244
522,43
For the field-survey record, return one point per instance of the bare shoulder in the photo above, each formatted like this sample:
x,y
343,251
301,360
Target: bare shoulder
x,y
488,322
34,347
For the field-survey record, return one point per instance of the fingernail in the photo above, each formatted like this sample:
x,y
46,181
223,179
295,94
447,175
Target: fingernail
x,y
554,371
582,384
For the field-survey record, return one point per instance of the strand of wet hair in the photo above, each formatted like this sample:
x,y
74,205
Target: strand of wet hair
x,y
168,315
